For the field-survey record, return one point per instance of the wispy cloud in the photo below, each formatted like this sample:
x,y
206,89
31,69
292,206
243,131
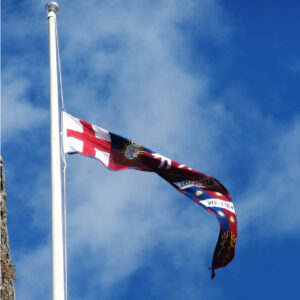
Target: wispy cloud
x,y
34,273
18,112
271,203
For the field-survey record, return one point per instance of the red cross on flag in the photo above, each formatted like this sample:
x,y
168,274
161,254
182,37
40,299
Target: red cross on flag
x,y
86,139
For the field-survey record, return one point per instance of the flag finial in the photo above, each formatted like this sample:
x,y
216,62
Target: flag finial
x,y
52,6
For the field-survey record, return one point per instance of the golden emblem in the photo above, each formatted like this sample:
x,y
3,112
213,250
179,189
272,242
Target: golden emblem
x,y
220,213
198,193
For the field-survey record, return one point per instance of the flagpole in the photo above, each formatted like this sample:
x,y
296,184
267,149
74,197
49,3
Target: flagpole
x,y
58,283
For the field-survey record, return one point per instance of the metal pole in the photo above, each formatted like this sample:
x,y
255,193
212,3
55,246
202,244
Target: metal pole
x,y
58,284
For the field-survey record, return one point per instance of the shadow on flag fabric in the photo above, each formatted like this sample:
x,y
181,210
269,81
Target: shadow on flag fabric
x,y
118,153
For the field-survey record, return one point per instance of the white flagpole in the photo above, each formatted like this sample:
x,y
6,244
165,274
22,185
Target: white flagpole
x,y
58,283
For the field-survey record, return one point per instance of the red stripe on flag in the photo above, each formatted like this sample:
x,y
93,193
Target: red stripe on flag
x,y
89,139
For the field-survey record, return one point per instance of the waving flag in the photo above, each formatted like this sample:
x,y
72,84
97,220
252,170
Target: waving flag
x,y
118,153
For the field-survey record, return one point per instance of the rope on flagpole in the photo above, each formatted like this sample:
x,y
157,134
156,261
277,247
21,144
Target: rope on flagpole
x,y
63,156
59,70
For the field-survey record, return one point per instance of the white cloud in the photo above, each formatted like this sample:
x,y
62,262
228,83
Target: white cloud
x,y
117,220
34,273
271,203
18,112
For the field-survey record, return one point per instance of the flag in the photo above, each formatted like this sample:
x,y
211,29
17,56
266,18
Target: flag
x,y
118,153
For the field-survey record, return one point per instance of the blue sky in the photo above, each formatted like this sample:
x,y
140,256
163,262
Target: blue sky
x,y
211,84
